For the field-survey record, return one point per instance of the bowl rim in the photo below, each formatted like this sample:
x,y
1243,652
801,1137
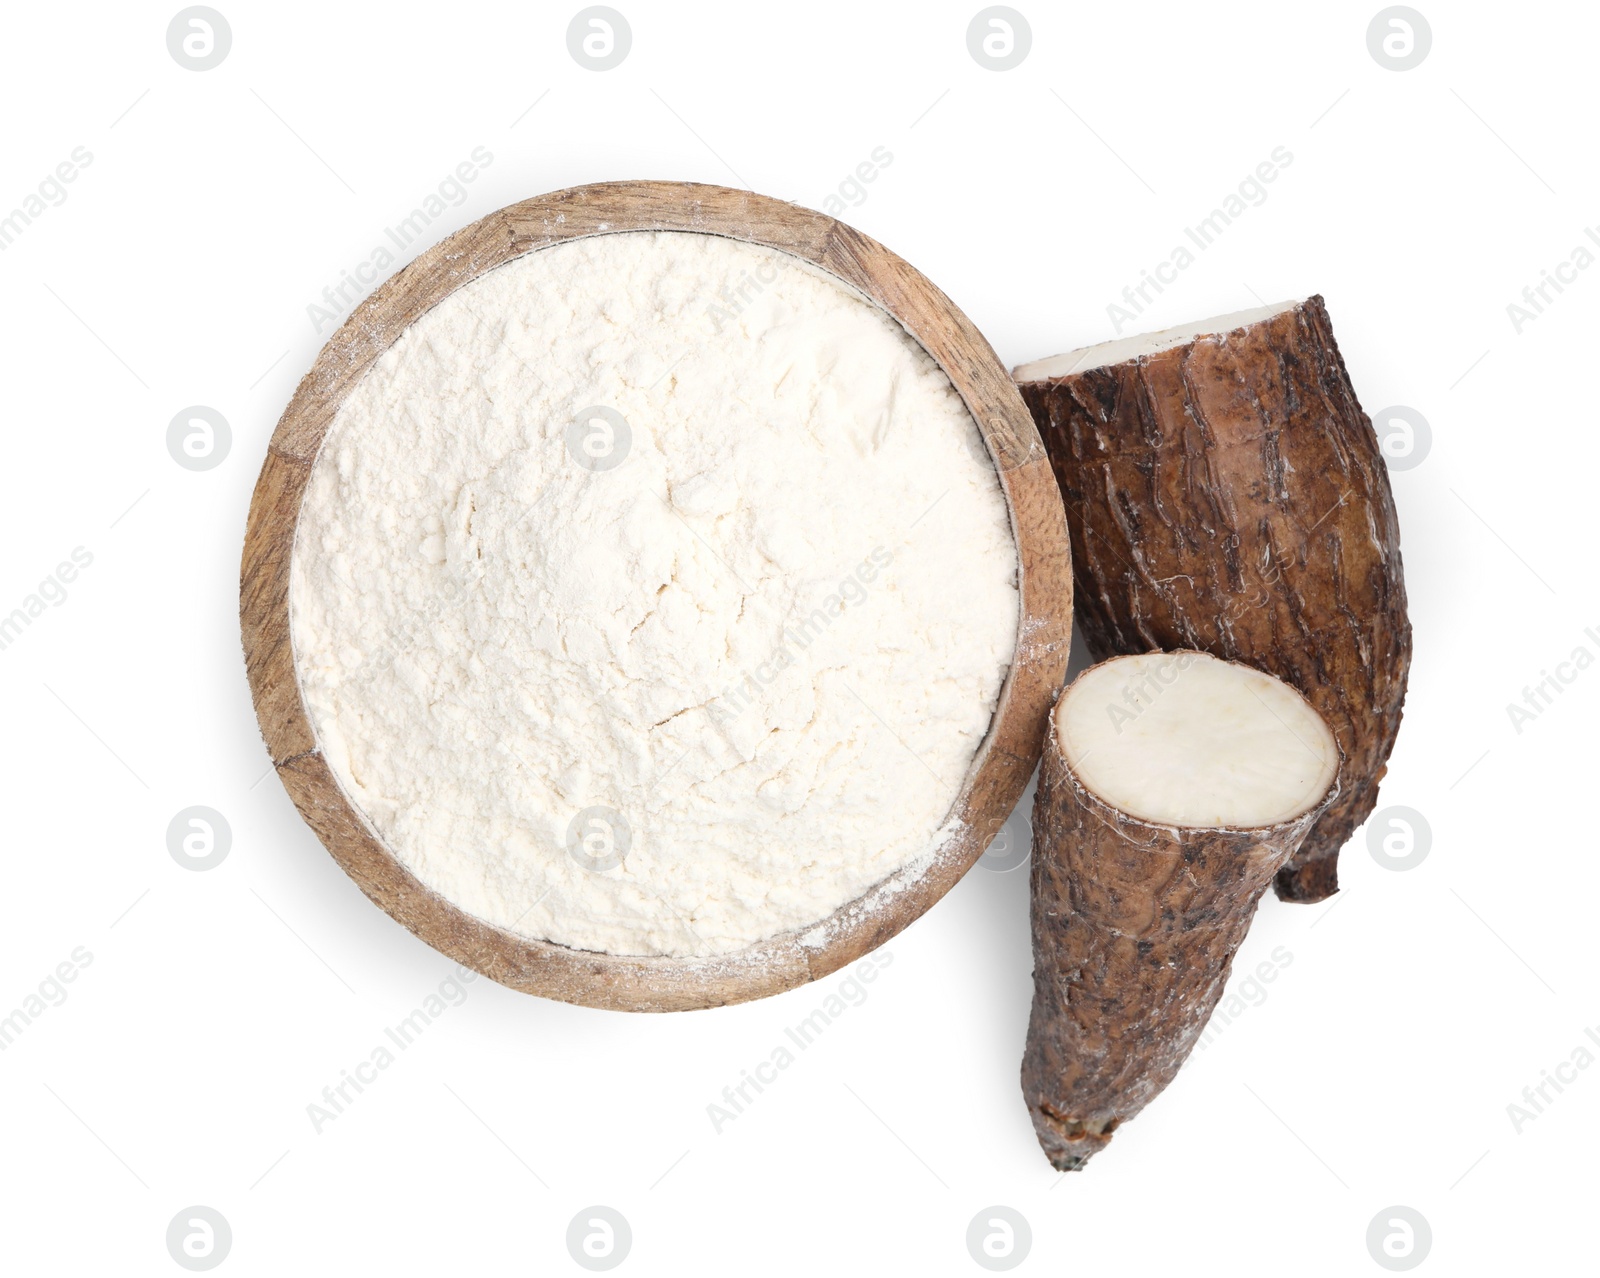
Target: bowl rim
x,y
1002,765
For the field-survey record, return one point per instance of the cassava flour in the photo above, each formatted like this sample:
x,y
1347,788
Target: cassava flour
x,y
652,595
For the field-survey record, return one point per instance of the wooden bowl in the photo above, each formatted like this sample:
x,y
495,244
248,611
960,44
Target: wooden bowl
x,y
1002,765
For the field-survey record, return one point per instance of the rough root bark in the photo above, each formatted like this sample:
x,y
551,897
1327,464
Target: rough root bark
x,y
1229,495
1135,926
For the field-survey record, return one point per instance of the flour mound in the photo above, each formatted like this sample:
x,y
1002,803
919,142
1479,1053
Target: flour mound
x,y
752,638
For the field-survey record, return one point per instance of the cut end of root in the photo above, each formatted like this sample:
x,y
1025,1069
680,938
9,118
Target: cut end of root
x,y
1185,739
1308,883
1122,349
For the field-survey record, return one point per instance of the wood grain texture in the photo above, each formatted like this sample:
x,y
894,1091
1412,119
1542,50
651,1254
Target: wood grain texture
x,y
1135,925
1229,495
999,772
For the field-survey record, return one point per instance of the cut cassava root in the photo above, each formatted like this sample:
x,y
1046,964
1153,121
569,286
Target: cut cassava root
x,y
1174,787
1225,492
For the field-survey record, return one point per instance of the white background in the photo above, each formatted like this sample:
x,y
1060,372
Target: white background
x,y
217,1005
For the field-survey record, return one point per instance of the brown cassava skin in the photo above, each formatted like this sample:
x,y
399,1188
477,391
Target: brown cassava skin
x,y
1135,926
1229,495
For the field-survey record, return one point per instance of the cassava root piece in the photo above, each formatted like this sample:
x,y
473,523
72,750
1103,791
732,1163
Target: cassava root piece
x,y
1174,787
1225,492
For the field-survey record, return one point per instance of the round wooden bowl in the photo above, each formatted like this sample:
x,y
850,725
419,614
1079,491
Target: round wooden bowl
x,y
999,771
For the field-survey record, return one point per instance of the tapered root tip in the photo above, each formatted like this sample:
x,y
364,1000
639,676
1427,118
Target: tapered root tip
x,y
1309,883
1067,1142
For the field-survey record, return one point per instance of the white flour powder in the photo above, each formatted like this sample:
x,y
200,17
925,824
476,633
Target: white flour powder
x,y
771,638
